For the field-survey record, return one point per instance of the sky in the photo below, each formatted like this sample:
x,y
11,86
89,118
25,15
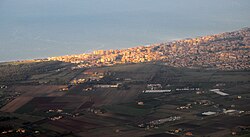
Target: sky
x,y
43,28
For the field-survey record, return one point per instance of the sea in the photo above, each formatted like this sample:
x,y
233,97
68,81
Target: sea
x,y
33,29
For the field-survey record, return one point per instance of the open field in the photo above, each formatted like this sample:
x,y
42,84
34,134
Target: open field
x,y
28,93
127,111
15,104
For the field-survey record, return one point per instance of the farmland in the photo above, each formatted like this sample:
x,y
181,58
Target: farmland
x,y
78,107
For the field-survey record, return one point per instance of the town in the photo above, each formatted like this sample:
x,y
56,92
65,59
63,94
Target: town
x,y
226,51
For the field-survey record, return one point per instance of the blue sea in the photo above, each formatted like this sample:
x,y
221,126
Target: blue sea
x,y
42,28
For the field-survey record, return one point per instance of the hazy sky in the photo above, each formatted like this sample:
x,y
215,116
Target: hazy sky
x,y
42,28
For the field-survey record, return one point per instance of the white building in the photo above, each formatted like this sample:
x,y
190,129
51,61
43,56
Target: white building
x,y
157,91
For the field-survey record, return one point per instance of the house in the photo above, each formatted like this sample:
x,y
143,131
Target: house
x,y
154,86
140,103
64,89
3,86
188,134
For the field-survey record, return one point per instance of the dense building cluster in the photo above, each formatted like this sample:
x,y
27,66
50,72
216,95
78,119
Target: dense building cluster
x,y
226,51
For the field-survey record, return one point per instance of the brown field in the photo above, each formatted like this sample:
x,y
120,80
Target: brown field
x,y
87,104
41,90
102,96
71,102
116,112
74,125
42,104
56,94
109,96
28,93
16,103
112,132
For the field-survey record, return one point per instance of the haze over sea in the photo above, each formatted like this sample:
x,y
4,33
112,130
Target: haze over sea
x,y
42,28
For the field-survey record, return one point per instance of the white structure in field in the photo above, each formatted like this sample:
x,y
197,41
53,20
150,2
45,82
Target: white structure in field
x,y
229,111
106,86
208,113
217,91
157,91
